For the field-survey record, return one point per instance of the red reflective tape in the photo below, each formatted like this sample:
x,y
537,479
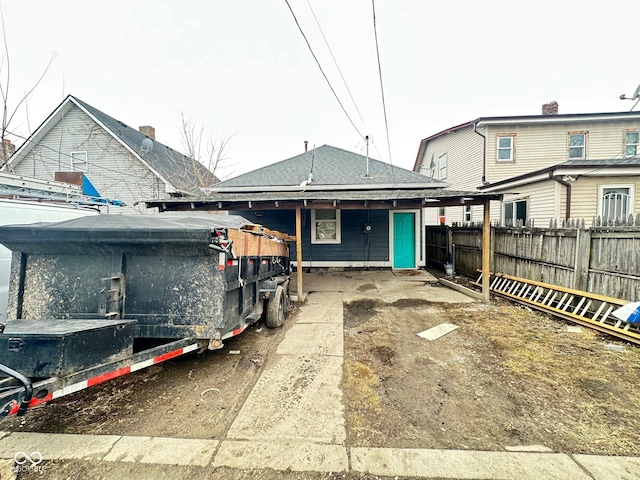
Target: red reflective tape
x,y
238,331
167,356
108,376
15,407
251,262
229,263
221,266
38,401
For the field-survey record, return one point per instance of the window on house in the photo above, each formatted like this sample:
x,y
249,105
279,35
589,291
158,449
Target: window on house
x,y
79,161
441,216
615,202
514,212
505,148
631,143
467,213
577,145
325,226
442,167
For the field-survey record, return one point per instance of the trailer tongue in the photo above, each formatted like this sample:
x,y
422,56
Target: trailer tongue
x,y
98,297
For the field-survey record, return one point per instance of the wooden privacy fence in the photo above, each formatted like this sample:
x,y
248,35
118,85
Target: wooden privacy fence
x,y
601,259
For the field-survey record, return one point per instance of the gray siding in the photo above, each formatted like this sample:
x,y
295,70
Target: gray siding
x,y
356,246
113,170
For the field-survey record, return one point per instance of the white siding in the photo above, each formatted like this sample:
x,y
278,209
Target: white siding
x,y
586,192
464,169
112,169
539,146
543,199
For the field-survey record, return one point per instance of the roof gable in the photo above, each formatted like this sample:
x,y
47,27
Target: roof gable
x,y
327,167
173,168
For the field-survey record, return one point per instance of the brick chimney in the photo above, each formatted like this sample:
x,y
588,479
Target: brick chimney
x,y
550,108
9,148
148,131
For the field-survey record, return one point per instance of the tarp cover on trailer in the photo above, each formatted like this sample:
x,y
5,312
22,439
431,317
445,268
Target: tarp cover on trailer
x,y
139,228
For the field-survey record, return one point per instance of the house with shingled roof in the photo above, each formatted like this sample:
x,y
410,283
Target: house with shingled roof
x,y
122,162
355,211
549,168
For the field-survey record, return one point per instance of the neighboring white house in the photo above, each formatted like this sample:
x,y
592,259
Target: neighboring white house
x,y
121,162
549,166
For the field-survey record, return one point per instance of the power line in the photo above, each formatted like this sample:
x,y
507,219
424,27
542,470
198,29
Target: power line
x,y
335,62
321,70
384,104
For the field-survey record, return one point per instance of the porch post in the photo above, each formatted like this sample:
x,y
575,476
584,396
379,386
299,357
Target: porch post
x,y
299,251
486,251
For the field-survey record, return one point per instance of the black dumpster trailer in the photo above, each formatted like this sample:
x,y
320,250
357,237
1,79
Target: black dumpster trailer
x,y
97,297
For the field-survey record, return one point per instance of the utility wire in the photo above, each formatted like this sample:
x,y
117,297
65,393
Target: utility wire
x,y
321,70
384,105
335,62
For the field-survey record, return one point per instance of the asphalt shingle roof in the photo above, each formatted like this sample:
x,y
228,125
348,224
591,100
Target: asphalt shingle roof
x,y
330,166
181,171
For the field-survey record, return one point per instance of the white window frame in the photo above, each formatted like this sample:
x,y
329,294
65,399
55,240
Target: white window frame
x,y
75,161
515,210
321,241
585,136
442,166
626,143
512,148
602,188
468,213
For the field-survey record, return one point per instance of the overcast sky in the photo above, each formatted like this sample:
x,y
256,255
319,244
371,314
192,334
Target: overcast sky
x,y
241,68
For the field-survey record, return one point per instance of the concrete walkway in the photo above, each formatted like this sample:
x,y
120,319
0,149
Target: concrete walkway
x,y
306,429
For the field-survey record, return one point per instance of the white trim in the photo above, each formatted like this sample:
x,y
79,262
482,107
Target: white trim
x,y
72,160
328,241
512,152
566,118
632,196
417,233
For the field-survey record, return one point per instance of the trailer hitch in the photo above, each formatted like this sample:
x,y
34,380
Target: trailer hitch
x,y
26,399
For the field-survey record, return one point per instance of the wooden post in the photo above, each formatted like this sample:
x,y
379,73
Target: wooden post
x,y
582,260
486,252
299,251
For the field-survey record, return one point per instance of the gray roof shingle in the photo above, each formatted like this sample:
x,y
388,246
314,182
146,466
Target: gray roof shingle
x,y
329,166
182,172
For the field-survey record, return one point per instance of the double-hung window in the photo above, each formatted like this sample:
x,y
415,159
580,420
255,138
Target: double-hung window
x,y
577,145
505,148
442,167
79,162
631,144
325,226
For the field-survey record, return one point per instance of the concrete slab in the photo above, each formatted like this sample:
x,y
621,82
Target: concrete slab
x,y
295,389
165,451
324,298
610,468
53,446
282,456
313,339
327,312
457,464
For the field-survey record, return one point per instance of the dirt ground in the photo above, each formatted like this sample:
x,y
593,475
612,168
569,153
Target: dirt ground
x,y
506,377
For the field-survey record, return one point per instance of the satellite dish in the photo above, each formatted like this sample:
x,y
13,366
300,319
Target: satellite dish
x,y
146,145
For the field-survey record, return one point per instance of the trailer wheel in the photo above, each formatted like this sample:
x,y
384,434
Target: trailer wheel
x,y
275,309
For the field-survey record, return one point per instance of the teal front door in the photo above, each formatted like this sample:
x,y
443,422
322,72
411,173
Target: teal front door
x,y
404,240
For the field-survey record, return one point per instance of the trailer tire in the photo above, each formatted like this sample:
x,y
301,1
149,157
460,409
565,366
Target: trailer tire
x,y
275,309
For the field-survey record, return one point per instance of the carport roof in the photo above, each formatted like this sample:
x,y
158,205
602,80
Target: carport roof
x,y
378,198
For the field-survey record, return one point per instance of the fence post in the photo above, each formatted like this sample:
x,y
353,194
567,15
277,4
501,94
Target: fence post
x,y
492,249
449,243
582,260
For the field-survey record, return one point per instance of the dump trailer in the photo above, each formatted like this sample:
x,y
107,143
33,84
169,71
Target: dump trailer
x,y
94,298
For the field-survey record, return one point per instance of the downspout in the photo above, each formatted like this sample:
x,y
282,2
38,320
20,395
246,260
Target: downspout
x,y
484,152
567,213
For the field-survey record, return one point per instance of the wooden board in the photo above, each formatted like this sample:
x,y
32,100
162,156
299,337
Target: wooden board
x,y
248,244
